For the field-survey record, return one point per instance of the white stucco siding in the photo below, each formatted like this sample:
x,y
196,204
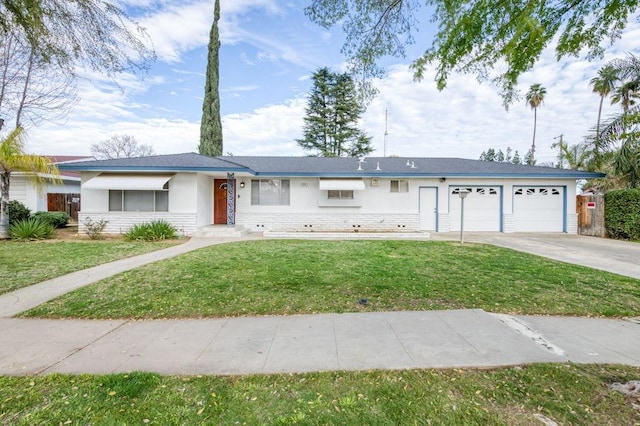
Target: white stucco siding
x,y
183,193
18,190
204,200
183,206
378,208
374,208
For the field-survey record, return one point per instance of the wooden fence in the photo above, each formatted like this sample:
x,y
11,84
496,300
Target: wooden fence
x,y
590,209
69,203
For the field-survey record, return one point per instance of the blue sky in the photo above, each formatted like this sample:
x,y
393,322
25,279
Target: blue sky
x,y
269,50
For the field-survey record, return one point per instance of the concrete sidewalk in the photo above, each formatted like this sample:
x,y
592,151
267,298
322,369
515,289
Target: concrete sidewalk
x,y
303,343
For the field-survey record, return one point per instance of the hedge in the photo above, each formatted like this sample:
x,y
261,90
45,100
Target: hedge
x,y
622,214
56,219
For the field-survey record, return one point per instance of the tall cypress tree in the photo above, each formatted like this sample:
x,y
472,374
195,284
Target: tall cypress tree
x,y
332,113
210,125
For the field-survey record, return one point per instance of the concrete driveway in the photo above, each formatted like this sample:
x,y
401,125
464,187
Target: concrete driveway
x,y
620,257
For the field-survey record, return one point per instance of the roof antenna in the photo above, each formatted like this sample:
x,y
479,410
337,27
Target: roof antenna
x,y
386,133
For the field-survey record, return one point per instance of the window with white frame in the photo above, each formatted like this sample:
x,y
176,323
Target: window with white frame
x,y
138,201
400,185
340,194
270,192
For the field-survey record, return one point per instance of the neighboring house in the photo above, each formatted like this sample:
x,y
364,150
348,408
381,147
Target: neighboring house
x,y
21,189
328,194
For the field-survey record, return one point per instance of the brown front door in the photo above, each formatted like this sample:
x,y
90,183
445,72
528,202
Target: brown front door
x,y
220,201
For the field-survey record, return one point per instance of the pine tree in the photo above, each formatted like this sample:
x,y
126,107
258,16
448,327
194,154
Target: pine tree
x,y
332,113
211,125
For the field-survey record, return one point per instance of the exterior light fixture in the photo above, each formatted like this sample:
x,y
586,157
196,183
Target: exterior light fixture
x,y
462,192
242,184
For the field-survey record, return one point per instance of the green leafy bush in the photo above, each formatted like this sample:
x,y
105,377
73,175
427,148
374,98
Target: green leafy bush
x,y
622,214
18,212
94,228
31,229
57,219
151,231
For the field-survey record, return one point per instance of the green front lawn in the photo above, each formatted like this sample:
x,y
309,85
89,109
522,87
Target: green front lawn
x,y
566,394
269,277
26,263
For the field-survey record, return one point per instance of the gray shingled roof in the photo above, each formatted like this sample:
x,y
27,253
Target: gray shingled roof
x,y
173,162
330,167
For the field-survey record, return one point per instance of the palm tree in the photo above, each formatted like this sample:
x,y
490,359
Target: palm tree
x,y
626,94
534,97
577,156
13,159
603,84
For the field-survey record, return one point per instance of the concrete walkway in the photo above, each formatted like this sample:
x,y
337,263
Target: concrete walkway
x,y
29,297
300,343
619,257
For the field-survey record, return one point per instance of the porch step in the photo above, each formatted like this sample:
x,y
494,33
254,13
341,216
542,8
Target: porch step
x,y
348,235
221,231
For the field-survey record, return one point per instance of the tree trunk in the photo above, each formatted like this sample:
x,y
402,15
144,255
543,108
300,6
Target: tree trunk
x,y
4,205
211,125
533,143
596,147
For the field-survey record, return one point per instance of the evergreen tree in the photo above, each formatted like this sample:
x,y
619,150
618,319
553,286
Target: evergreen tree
x,y
516,158
529,159
500,157
211,125
332,113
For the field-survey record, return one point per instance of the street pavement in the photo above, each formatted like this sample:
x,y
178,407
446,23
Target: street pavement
x,y
302,343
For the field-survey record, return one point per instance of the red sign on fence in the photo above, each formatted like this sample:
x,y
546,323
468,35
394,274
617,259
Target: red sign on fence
x,y
591,205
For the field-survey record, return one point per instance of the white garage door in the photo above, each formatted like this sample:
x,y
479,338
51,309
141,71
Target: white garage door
x,y
481,208
538,209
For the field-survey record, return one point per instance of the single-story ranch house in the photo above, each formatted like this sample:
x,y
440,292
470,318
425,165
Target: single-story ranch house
x,y
328,194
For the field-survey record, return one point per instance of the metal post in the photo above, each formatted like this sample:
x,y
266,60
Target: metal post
x,y
462,193
462,220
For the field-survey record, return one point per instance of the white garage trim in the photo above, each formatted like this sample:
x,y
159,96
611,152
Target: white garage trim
x,y
482,208
540,208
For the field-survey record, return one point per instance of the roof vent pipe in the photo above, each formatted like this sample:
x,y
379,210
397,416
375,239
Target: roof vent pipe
x,y
378,166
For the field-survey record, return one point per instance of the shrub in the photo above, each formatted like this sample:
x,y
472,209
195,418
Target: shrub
x,y
18,212
622,213
151,231
94,228
31,229
57,219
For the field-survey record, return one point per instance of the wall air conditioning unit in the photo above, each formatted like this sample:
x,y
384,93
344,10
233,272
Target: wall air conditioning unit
x,y
375,182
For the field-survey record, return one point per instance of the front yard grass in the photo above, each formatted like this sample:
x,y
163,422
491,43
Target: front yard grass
x,y
567,394
26,263
269,277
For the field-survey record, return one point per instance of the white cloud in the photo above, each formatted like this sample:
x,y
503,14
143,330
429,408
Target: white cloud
x,y
270,130
461,121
